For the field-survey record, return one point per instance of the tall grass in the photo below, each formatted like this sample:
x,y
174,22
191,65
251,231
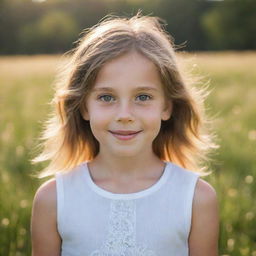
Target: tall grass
x,y
25,90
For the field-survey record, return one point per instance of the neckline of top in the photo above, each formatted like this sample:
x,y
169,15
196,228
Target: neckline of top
x,y
127,196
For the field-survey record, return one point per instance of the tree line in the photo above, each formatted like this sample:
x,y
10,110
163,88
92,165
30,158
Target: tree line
x,y
52,26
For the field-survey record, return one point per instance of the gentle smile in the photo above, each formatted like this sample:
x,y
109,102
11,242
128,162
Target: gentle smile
x,y
122,132
125,135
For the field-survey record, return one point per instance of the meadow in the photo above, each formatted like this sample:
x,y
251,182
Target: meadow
x,y
26,87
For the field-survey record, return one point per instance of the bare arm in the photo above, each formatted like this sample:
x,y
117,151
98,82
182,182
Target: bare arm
x,y
203,239
45,237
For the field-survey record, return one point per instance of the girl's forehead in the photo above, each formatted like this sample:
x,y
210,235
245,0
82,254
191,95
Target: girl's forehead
x,y
133,58
131,68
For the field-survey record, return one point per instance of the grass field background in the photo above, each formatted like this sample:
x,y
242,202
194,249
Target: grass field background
x,y
25,90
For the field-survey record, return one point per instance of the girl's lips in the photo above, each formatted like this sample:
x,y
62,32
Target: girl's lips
x,y
125,135
123,132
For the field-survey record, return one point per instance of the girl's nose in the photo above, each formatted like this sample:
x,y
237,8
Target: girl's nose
x,y
124,113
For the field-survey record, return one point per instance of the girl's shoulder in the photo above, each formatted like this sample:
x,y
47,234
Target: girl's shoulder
x,y
45,237
45,201
204,192
205,199
205,214
47,188
46,193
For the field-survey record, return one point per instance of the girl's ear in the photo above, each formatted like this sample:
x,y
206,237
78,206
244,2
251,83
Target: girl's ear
x,y
86,116
84,113
167,111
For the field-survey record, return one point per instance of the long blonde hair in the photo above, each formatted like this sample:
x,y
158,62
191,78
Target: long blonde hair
x,y
184,139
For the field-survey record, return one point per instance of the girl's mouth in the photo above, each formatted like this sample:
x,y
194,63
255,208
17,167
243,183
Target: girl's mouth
x,y
125,135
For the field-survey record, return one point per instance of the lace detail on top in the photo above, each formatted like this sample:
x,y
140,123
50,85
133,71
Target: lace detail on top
x,y
121,236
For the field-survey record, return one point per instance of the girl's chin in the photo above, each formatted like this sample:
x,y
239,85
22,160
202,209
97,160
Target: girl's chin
x,y
123,153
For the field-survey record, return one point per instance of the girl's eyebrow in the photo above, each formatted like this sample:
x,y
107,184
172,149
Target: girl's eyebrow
x,y
139,88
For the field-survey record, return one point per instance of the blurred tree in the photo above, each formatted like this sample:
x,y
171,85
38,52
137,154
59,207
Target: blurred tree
x,y
49,26
8,26
86,12
14,15
53,33
184,21
231,24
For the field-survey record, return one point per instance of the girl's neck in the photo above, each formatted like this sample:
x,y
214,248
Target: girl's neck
x,y
106,167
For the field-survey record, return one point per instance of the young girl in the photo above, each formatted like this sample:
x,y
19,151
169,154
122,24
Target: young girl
x,y
125,143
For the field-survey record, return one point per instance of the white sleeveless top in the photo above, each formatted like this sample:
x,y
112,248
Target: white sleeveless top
x,y
153,222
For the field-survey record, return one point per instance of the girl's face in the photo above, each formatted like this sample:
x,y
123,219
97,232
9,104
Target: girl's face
x,y
126,106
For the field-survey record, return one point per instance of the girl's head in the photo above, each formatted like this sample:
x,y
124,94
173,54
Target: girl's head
x,y
181,136
126,106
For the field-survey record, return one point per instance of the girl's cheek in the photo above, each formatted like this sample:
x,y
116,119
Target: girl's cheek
x,y
101,115
149,111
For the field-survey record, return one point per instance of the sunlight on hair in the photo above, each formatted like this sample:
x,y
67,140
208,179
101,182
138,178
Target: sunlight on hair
x,y
186,137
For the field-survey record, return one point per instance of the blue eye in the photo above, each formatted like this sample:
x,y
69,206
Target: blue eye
x,y
144,97
106,98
